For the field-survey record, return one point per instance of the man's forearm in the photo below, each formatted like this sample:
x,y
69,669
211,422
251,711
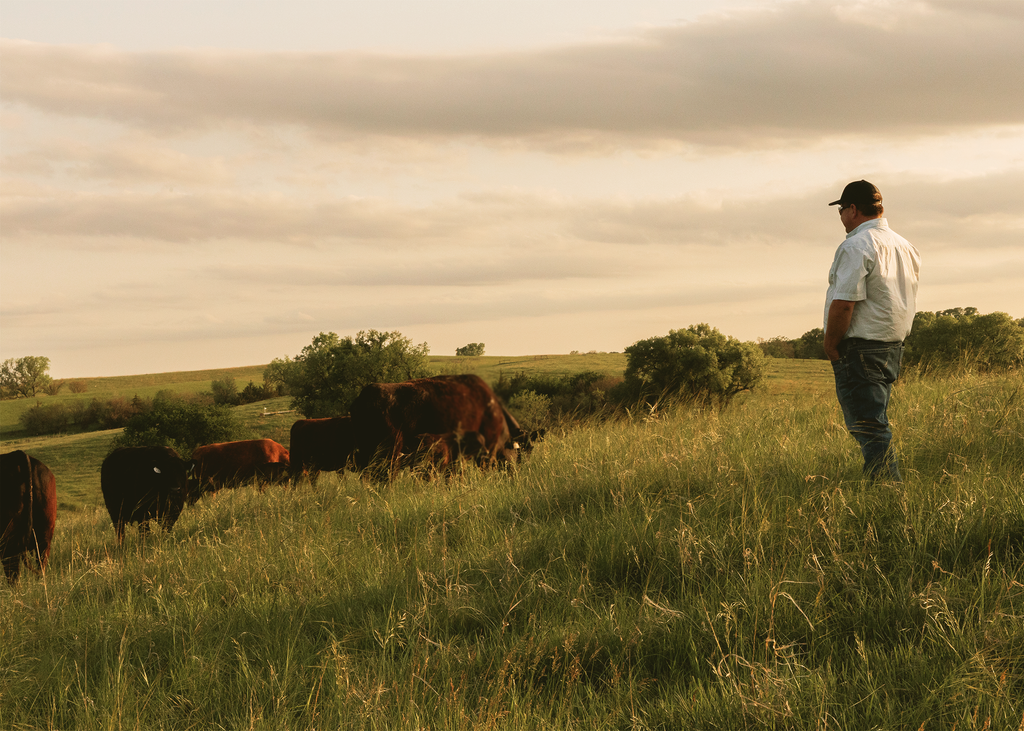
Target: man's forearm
x,y
840,314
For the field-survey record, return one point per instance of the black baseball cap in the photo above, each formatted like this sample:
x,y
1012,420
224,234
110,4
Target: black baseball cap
x,y
861,193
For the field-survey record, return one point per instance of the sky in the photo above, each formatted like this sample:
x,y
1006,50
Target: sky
x,y
194,184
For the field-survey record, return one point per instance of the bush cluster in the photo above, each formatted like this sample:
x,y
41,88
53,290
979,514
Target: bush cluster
x,y
961,339
180,422
226,393
470,350
538,399
94,415
698,364
810,346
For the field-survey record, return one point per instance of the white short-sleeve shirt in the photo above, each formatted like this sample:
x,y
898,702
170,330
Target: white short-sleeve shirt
x,y
878,269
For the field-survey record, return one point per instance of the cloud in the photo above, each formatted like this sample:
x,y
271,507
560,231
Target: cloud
x,y
501,231
131,162
799,72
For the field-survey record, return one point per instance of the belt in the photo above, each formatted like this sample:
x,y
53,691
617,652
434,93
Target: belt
x,y
865,341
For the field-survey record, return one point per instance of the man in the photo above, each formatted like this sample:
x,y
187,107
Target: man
x,y
869,309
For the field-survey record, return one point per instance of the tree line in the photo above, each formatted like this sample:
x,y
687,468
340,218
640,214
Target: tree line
x,y
957,338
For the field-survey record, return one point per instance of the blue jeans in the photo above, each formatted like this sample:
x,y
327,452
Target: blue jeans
x,y
864,373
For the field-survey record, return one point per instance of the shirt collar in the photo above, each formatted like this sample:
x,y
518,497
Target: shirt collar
x,y
873,223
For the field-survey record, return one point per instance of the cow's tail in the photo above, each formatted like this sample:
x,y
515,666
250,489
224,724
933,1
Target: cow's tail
x,y
33,536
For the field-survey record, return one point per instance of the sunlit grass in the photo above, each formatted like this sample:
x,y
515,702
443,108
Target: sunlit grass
x,y
679,569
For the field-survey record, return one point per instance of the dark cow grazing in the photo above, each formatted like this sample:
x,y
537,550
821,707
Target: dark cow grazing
x,y
229,464
144,483
28,512
321,445
516,451
389,417
442,453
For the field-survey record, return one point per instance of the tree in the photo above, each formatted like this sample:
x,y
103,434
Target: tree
x,y
961,338
328,374
24,376
699,364
472,349
778,347
811,345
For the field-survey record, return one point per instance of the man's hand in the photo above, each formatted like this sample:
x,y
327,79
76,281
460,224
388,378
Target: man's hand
x,y
840,313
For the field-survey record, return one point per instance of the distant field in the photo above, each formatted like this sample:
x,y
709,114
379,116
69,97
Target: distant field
x,y
144,386
76,458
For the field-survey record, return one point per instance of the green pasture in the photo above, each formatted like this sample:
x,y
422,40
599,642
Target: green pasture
x,y
108,387
674,569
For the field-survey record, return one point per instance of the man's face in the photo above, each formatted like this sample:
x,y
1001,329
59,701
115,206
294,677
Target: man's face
x,y
847,213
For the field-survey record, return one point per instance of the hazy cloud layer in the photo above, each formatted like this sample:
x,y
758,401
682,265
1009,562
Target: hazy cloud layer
x,y
193,209
802,71
950,212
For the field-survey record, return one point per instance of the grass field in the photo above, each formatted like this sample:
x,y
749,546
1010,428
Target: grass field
x,y
676,569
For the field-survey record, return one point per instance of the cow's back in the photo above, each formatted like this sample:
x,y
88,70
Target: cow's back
x,y
230,463
28,506
390,416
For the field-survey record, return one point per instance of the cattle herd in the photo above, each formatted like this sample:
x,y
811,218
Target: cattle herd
x,y
431,423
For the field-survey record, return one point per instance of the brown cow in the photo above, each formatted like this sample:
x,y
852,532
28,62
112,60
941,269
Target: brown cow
x,y
388,418
28,512
320,445
229,464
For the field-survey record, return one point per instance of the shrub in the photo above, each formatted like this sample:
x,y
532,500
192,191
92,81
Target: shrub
x,y
531,409
581,394
78,386
111,414
48,419
179,422
253,393
52,387
224,391
328,374
698,364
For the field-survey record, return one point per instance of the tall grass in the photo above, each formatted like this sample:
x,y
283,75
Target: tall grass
x,y
680,569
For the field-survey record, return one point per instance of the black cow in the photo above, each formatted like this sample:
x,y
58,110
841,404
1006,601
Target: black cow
x,y
28,512
144,483
320,445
